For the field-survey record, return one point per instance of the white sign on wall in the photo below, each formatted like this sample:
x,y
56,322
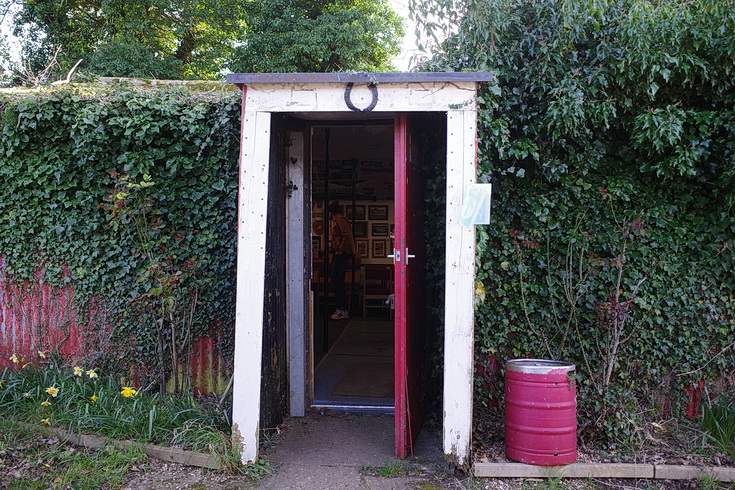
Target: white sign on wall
x,y
476,205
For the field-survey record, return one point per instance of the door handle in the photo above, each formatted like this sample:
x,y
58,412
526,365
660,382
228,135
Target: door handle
x,y
409,256
396,256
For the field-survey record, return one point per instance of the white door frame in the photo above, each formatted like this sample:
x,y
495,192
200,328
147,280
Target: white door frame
x,y
264,94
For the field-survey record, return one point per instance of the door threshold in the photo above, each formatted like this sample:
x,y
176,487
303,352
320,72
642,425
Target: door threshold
x,y
360,408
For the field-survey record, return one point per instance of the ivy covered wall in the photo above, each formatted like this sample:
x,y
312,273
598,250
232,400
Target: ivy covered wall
x,y
609,137
121,201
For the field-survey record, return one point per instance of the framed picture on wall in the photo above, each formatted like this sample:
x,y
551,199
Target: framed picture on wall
x,y
359,230
379,229
379,249
377,212
316,246
362,247
358,211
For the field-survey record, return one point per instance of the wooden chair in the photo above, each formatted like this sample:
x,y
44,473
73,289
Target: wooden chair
x,y
377,286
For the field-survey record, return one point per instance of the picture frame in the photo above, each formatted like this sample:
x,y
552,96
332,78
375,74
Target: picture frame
x,y
379,251
317,227
360,229
358,211
377,212
362,247
316,246
379,229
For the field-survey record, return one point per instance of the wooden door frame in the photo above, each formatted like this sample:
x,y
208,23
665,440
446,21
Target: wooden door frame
x,y
324,95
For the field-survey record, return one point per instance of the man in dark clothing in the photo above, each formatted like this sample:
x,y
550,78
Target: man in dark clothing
x,y
343,245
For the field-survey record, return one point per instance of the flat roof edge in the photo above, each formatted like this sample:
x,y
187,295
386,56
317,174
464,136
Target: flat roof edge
x,y
377,78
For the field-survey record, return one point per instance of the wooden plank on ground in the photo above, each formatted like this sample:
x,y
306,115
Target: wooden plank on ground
x,y
576,470
679,472
170,454
180,456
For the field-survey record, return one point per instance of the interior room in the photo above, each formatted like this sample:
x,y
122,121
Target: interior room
x,y
353,363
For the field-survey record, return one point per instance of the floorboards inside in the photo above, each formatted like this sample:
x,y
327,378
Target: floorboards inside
x,y
357,372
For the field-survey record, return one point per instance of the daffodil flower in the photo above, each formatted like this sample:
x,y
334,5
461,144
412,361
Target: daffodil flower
x,y
94,398
92,374
15,359
45,421
42,354
1,384
127,392
53,391
26,395
78,371
46,403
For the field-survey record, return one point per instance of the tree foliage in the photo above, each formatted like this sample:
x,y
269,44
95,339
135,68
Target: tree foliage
x,y
609,135
312,36
162,39
200,39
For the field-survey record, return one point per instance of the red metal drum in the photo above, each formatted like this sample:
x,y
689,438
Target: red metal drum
x,y
540,412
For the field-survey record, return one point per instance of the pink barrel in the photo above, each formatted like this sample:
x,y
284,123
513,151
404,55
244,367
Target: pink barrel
x,y
540,412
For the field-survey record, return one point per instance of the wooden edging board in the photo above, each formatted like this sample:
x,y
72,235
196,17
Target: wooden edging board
x,y
604,470
170,454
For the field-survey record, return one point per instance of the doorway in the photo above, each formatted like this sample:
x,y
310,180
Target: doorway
x,y
349,97
353,364
375,171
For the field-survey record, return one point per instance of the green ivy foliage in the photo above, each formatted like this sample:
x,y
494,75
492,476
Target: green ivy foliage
x,y
59,151
609,136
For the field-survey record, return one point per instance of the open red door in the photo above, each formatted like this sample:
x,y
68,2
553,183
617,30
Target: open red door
x,y
409,259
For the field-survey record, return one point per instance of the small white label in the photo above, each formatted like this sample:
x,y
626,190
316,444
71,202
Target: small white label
x,y
476,205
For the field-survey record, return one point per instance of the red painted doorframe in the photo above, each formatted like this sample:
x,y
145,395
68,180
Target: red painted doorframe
x,y
409,263
400,149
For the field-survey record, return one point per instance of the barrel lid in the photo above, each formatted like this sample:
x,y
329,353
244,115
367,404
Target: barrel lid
x,y
537,366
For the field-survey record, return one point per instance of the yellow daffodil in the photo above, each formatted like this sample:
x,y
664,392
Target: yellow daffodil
x,y
94,398
92,374
45,421
46,403
42,354
78,371
53,391
25,365
15,358
1,384
26,395
127,392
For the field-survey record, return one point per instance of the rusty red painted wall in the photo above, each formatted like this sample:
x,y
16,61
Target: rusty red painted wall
x,y
39,317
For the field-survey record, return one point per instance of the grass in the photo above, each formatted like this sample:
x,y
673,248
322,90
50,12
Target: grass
x,y
718,420
30,461
78,400
391,469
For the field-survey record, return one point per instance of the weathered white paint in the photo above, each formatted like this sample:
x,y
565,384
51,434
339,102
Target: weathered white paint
x,y
296,276
460,279
392,97
251,228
